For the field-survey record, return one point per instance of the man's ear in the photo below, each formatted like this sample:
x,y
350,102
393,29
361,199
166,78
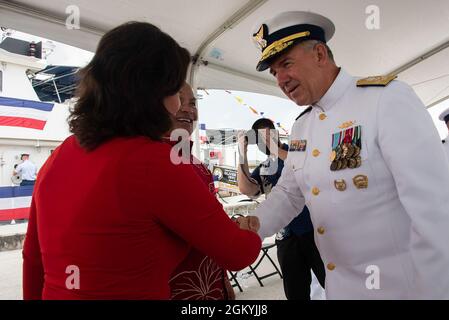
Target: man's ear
x,y
321,53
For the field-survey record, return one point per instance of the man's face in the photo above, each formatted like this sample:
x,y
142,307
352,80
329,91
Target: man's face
x,y
297,73
268,137
188,113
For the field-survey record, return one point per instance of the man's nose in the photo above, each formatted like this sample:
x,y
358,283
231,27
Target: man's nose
x,y
282,78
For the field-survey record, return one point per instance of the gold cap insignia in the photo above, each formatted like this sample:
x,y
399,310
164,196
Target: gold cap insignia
x,y
258,37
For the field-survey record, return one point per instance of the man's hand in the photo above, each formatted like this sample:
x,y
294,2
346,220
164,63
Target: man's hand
x,y
250,223
243,143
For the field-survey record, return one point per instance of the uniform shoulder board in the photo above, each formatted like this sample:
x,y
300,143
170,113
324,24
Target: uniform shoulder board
x,y
304,112
376,81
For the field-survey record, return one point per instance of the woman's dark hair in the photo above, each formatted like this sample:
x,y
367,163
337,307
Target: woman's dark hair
x,y
122,89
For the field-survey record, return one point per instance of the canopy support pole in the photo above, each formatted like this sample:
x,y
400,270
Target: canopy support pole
x,y
231,22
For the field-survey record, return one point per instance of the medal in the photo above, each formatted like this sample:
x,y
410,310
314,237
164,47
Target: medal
x,y
351,150
346,148
360,181
358,161
344,151
339,164
334,166
338,157
340,184
352,163
344,164
356,151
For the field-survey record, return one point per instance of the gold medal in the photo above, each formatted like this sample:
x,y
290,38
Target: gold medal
x,y
356,152
340,184
333,155
344,164
352,163
360,181
358,161
344,149
339,164
351,150
338,153
334,166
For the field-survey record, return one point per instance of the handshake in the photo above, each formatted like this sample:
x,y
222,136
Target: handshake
x,y
250,223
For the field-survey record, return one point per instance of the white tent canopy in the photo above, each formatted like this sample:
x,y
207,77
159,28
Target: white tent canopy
x,y
411,40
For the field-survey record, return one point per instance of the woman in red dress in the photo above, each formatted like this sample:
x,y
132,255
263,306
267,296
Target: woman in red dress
x,y
111,215
198,277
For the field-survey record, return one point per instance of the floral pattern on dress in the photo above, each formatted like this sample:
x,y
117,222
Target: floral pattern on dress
x,y
204,283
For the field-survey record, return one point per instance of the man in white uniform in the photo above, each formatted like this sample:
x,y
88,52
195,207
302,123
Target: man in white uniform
x,y
444,116
27,170
367,161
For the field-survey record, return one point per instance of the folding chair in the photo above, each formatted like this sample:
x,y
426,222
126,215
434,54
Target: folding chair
x,y
265,253
233,278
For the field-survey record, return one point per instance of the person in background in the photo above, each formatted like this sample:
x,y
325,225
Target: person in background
x,y
296,249
97,232
198,277
27,170
444,116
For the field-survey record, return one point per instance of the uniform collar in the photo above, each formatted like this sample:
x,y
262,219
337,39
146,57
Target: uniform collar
x,y
335,92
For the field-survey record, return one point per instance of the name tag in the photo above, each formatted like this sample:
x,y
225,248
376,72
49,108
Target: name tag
x,y
297,146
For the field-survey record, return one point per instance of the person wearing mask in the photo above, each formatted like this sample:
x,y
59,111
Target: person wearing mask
x,y
297,253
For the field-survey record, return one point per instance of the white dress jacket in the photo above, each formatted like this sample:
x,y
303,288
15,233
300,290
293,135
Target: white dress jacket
x,y
396,229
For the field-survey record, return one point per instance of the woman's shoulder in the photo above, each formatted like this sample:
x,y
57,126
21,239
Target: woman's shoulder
x,y
142,150
138,142
125,148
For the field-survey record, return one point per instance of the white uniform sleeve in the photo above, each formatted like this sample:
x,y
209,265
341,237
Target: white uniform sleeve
x,y
283,204
412,149
18,169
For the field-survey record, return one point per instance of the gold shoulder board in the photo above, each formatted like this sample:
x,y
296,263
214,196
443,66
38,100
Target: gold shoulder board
x,y
381,81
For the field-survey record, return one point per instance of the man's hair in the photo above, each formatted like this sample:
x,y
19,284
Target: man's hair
x,y
263,123
311,44
446,118
122,89
260,124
